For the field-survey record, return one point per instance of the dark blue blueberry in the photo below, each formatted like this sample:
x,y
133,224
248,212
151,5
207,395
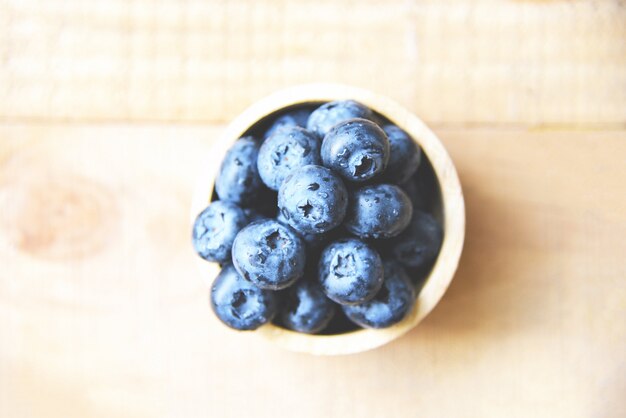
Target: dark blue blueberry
x,y
340,324
286,150
306,308
357,149
253,215
296,117
330,114
378,120
240,304
378,211
419,243
390,305
413,190
238,180
313,241
404,155
313,199
350,271
269,254
215,229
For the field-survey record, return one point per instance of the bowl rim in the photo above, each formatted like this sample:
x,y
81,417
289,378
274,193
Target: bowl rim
x,y
453,209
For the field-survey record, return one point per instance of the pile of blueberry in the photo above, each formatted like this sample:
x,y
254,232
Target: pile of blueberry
x,y
319,220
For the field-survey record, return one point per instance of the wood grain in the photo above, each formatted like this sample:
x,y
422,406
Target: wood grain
x,y
453,62
102,311
531,326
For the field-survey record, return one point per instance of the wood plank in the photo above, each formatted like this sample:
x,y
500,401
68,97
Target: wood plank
x,y
102,312
452,62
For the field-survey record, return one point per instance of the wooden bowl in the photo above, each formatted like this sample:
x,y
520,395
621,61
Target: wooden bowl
x,y
450,212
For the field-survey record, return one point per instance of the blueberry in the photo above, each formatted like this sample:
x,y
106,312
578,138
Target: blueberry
x,y
269,254
340,324
390,305
413,189
312,241
350,271
296,117
378,211
306,308
238,180
215,229
313,199
254,215
378,119
240,304
357,149
419,244
404,155
287,149
330,114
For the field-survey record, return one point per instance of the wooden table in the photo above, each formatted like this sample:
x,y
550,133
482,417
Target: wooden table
x,y
108,108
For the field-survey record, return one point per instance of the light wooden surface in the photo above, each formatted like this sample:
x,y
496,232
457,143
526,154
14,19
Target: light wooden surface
x,y
454,61
103,313
107,109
